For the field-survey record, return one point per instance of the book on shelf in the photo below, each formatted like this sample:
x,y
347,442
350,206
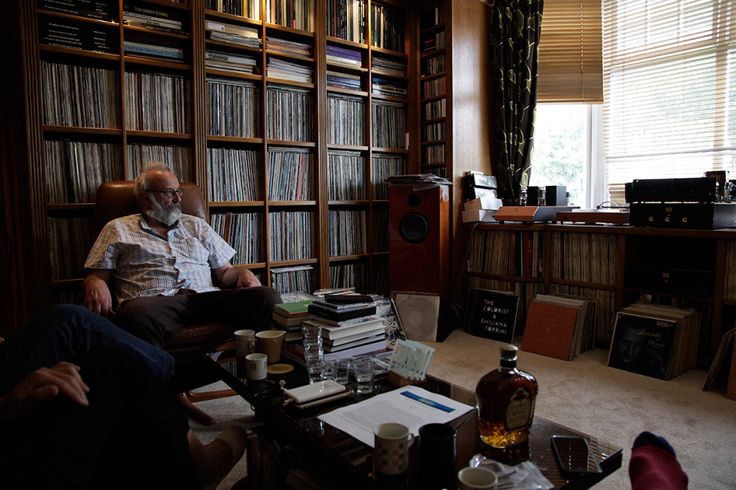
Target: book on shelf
x,y
491,314
655,340
550,329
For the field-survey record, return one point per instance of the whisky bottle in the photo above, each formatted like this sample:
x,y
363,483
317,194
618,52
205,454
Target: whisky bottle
x,y
505,401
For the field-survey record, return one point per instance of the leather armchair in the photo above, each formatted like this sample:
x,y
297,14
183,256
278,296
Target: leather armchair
x,y
117,198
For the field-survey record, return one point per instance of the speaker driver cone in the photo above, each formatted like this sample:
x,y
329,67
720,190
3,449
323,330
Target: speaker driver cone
x,y
414,227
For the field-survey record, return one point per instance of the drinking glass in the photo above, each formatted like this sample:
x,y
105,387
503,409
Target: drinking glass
x,y
363,375
313,352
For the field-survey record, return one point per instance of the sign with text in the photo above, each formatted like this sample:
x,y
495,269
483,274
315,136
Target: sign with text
x,y
491,314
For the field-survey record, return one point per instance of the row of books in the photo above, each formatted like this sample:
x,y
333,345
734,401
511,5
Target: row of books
x,y
585,257
347,234
351,275
295,232
290,172
288,46
389,66
91,95
388,87
434,154
295,278
147,17
176,157
234,174
66,33
433,42
244,232
223,60
387,27
288,70
384,167
93,9
340,79
433,65
433,88
250,9
70,239
157,50
389,125
345,175
75,169
346,116
233,108
232,34
435,110
292,113
346,19
296,14
157,102
434,132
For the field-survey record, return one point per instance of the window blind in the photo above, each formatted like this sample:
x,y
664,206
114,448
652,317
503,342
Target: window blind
x,y
570,67
670,89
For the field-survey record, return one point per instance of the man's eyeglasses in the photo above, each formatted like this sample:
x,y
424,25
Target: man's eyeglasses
x,y
170,193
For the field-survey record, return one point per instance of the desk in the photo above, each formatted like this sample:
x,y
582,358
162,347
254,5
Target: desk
x,y
351,460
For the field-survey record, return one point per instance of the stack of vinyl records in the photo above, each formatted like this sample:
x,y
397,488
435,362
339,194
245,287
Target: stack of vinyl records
x,y
655,340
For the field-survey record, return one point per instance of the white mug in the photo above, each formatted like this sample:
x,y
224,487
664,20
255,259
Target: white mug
x,y
477,478
245,342
391,448
256,367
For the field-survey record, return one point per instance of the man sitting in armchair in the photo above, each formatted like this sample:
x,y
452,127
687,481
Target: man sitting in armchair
x,y
167,269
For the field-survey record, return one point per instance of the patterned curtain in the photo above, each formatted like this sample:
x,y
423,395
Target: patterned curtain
x,y
515,29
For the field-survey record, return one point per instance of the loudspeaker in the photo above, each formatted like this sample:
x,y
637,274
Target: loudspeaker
x,y
419,239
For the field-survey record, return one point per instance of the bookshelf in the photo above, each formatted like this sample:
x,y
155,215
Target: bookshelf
x,y
453,129
617,266
289,115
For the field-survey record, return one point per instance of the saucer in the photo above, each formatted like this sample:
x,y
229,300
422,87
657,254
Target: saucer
x,y
280,368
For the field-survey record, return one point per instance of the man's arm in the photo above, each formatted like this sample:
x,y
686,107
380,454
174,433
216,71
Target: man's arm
x,y
228,276
97,297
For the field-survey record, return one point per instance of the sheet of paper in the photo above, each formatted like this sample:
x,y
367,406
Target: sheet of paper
x,y
408,405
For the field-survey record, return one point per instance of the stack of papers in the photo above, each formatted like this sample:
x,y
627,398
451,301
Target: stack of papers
x,y
408,405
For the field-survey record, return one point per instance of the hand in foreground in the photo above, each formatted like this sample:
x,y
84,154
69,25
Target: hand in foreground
x,y
246,279
97,297
45,384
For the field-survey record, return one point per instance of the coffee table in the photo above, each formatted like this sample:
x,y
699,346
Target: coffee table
x,y
350,460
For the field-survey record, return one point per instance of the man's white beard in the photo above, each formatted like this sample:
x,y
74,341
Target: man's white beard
x,y
165,216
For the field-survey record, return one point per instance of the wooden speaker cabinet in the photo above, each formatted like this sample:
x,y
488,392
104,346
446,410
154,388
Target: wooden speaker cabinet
x,y
419,239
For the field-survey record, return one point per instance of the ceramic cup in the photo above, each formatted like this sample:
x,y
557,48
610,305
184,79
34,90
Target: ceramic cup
x,y
245,342
470,478
256,366
270,342
391,448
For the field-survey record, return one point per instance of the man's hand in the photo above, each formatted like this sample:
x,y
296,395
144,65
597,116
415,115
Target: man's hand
x,y
228,276
45,384
97,297
246,279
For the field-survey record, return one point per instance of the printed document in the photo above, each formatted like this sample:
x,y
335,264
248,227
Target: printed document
x,y
408,405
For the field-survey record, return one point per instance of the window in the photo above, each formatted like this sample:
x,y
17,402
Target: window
x,y
566,151
669,89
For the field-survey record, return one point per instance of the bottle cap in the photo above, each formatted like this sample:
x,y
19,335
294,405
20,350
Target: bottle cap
x,y
509,352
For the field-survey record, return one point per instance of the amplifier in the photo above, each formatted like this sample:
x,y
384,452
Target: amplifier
x,y
695,189
554,195
684,215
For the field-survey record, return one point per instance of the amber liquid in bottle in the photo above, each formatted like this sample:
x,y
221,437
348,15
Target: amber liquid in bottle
x,y
505,398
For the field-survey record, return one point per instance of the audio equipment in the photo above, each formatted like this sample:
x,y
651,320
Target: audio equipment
x,y
694,189
554,195
684,215
419,238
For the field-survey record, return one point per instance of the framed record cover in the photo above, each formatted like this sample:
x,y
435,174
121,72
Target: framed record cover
x,y
491,314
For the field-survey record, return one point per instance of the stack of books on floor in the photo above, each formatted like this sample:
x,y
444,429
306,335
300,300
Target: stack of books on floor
x,y
349,325
289,316
655,340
